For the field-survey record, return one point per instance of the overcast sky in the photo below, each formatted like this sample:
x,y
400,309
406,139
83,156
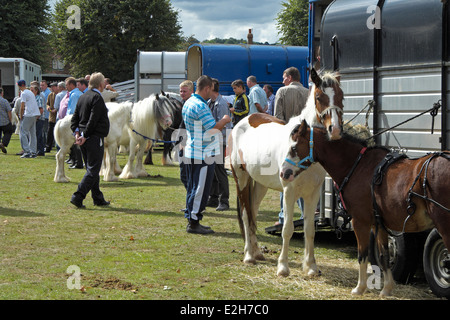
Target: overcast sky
x,y
208,19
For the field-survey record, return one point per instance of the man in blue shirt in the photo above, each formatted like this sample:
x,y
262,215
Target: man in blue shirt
x,y
256,96
75,94
199,155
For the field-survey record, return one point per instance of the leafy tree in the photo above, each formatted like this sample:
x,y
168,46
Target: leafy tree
x,y
23,29
110,33
292,23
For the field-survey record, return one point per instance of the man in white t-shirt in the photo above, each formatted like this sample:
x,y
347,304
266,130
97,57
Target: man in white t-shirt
x,y
29,112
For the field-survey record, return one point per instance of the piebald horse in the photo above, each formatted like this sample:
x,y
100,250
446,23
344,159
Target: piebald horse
x,y
259,145
421,184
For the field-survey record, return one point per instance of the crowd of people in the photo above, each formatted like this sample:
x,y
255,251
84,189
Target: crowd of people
x,y
202,165
38,107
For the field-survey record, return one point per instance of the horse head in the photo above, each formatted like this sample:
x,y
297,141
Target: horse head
x,y
328,97
163,111
300,155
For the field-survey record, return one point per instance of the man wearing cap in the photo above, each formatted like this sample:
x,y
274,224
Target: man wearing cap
x,y
29,112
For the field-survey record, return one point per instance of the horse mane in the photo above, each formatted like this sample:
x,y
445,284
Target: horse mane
x,y
330,79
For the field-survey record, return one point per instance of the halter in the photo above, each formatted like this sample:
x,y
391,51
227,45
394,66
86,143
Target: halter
x,y
309,158
324,112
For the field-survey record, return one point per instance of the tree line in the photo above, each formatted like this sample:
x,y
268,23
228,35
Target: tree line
x,y
106,36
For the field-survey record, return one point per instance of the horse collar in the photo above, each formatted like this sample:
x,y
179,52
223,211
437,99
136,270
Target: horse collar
x,y
309,158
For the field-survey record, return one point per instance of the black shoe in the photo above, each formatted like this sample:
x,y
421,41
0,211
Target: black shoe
x,y
2,147
194,226
102,204
223,207
75,166
77,203
212,203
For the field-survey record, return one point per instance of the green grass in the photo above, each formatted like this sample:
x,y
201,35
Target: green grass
x,y
138,247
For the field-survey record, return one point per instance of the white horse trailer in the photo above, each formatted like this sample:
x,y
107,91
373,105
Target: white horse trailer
x,y
15,69
156,71
396,54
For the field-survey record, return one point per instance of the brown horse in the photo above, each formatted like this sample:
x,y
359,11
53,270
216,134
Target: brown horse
x,y
411,195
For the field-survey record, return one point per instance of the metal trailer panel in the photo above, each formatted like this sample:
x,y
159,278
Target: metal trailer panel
x,y
231,62
15,69
159,70
406,61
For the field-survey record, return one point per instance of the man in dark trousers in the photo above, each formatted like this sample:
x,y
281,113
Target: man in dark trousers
x,y
90,125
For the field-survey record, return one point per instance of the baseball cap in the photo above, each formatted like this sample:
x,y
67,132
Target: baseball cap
x,y
21,83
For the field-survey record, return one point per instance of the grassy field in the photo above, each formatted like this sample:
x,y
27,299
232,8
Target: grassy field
x,y
138,247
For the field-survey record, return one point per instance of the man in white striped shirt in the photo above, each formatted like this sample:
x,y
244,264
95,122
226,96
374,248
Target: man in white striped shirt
x,y
200,152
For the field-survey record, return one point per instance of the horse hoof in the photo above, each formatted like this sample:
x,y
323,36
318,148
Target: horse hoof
x,y
249,261
110,179
385,293
126,176
283,272
313,273
358,292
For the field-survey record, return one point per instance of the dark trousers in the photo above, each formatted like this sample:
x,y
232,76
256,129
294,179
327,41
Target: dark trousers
x,y
220,188
40,136
183,170
50,136
76,156
5,134
200,178
92,151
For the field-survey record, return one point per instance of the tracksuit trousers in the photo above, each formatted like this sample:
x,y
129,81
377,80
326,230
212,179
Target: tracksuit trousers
x,y
200,177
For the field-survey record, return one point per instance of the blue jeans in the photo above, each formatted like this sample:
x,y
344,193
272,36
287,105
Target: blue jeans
x,y
300,204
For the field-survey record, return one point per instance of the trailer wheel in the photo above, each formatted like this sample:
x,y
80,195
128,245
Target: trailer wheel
x,y
404,256
436,265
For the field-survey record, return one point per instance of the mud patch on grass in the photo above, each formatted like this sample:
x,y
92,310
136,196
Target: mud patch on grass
x,y
111,284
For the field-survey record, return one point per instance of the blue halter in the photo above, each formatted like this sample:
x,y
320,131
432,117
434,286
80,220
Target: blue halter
x,y
309,158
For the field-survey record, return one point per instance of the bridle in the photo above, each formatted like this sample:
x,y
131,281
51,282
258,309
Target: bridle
x,y
322,114
309,158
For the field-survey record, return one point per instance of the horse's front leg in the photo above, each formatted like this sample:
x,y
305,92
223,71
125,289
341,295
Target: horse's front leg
x,y
140,170
362,232
288,230
309,210
128,171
